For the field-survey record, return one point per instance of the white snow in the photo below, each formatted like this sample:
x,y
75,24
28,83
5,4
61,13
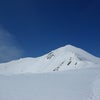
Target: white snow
x,y
69,85
67,73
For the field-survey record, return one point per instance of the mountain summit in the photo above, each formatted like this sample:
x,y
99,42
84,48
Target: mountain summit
x,y
61,59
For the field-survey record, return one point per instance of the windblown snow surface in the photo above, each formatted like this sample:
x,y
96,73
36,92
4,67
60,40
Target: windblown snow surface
x,y
67,73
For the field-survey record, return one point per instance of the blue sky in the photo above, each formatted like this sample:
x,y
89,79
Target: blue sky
x,y
38,26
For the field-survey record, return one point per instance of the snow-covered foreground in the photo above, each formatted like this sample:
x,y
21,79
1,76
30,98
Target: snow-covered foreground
x,y
82,84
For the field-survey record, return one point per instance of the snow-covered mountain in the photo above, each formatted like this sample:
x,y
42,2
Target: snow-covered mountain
x,y
77,77
61,59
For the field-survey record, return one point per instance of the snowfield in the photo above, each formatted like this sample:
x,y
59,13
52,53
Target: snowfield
x,y
81,84
67,73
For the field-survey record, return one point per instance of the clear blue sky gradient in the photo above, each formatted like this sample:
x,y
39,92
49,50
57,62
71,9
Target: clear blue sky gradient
x,y
42,25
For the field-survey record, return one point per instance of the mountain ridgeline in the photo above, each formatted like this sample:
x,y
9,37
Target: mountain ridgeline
x,y
61,59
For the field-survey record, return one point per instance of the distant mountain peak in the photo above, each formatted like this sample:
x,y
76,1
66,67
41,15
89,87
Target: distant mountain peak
x,y
69,46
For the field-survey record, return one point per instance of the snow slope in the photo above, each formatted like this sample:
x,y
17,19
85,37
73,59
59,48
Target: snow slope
x,y
78,84
73,75
61,59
